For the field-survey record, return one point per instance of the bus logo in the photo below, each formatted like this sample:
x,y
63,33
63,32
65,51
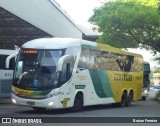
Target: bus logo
x,y
122,77
65,101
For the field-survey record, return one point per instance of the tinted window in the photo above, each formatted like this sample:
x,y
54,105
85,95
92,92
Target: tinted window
x,y
96,59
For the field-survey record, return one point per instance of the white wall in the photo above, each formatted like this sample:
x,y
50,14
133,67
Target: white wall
x,y
44,15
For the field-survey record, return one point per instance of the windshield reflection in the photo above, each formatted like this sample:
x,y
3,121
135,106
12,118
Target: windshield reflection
x,y
37,69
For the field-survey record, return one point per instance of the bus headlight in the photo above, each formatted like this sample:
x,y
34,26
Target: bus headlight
x,y
14,101
51,103
145,91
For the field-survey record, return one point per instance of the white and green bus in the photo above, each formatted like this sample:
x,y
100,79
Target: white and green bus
x,y
53,73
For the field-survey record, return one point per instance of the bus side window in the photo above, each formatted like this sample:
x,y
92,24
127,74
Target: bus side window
x,y
79,68
12,64
2,61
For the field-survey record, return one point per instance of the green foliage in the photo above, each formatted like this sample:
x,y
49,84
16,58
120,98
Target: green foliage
x,y
151,81
157,57
156,70
157,97
158,94
128,23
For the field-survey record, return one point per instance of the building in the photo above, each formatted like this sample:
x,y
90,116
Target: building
x,y
24,20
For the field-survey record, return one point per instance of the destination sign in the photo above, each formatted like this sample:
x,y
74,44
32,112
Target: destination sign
x,y
30,51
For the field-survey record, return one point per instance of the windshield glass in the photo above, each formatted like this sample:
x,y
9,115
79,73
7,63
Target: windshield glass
x,y
37,69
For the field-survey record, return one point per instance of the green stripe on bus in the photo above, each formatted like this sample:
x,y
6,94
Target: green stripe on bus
x,y
101,83
45,92
105,83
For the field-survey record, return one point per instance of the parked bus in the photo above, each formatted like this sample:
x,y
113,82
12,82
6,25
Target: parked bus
x,y
7,64
58,73
146,80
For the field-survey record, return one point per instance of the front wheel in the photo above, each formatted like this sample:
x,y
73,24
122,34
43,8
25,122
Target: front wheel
x,y
78,103
143,98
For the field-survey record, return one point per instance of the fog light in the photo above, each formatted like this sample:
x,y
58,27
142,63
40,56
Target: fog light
x,y
14,101
51,103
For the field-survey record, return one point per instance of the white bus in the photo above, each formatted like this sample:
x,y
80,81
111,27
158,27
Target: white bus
x,y
7,64
58,73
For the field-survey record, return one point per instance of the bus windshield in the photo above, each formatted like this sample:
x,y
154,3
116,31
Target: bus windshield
x,y
37,69
146,78
147,68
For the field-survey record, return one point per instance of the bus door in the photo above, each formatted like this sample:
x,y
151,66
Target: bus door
x,y
65,67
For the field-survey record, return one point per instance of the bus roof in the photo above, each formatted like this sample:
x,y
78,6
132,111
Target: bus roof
x,y
51,43
61,43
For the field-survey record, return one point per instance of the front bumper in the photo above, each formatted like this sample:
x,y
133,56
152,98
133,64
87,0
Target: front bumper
x,y
50,103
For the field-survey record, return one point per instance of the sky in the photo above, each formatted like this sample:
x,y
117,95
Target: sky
x,y
147,56
81,10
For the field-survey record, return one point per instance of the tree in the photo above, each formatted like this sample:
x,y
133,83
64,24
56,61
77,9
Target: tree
x,y
156,70
128,23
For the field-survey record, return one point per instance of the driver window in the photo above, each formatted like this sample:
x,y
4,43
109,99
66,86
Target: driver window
x,y
74,52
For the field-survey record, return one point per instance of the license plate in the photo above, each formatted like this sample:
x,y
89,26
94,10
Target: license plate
x,y
30,103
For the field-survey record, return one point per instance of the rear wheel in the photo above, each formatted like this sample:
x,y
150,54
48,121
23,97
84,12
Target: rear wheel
x,y
78,103
128,102
129,99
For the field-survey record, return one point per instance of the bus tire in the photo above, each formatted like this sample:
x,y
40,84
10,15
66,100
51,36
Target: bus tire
x,y
143,98
128,102
123,100
129,99
78,103
38,109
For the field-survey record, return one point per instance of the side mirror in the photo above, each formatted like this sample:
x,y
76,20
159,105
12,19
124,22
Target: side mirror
x,y
64,60
65,66
9,58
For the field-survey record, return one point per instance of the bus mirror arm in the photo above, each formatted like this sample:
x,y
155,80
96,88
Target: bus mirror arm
x,y
63,60
65,64
9,58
